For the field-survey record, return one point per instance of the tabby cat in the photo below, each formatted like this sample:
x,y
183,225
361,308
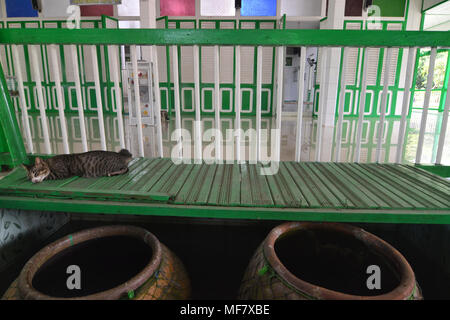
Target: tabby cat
x,y
87,164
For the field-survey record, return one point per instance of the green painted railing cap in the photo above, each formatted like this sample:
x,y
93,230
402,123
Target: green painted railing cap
x,y
265,37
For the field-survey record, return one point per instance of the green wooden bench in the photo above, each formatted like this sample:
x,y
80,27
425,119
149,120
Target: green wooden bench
x,y
347,192
299,191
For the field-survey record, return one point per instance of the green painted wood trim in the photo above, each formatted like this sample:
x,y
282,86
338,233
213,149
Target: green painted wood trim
x,y
276,37
354,87
46,83
170,99
391,8
416,66
104,17
427,53
79,193
252,86
9,125
378,87
342,215
442,171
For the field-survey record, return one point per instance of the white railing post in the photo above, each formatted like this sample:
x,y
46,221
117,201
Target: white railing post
x,y
341,103
76,74
362,106
137,99
237,103
157,109
384,103
98,96
218,140
426,103
444,125
37,74
197,124
113,56
322,103
301,89
311,80
22,99
176,87
279,104
59,96
258,102
406,99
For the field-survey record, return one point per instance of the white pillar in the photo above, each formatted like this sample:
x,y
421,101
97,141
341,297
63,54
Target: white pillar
x,y
148,20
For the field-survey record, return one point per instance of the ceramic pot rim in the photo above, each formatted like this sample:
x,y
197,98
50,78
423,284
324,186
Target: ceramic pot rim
x,y
403,290
27,291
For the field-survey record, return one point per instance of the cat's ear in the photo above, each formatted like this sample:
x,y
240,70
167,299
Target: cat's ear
x,y
37,161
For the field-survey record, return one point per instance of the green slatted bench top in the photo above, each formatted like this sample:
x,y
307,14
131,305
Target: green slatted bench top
x,y
299,191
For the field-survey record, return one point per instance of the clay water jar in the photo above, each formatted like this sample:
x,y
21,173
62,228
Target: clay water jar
x,y
116,262
306,260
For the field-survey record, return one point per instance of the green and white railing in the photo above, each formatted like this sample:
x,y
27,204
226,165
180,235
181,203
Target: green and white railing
x,y
152,38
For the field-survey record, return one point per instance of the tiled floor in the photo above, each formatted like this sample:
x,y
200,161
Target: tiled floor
x,y
288,137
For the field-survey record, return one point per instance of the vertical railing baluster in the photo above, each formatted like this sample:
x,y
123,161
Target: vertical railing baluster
x,y
301,90
218,140
157,109
426,103
384,102
176,87
311,80
114,58
237,103
40,94
258,102
444,125
137,99
405,104
59,96
76,74
22,99
198,134
362,106
322,103
279,103
341,103
98,96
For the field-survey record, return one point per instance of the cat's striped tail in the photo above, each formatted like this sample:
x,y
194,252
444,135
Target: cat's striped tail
x,y
125,153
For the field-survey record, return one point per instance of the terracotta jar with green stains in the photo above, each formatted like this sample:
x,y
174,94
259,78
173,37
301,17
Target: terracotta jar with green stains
x,y
104,263
306,260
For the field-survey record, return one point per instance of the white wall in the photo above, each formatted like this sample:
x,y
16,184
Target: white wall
x,y
148,12
301,7
217,8
54,8
2,9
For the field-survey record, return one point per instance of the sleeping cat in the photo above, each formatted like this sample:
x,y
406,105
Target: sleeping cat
x,y
88,164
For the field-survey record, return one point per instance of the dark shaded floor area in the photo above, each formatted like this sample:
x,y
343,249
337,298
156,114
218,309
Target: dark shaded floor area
x,y
216,252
